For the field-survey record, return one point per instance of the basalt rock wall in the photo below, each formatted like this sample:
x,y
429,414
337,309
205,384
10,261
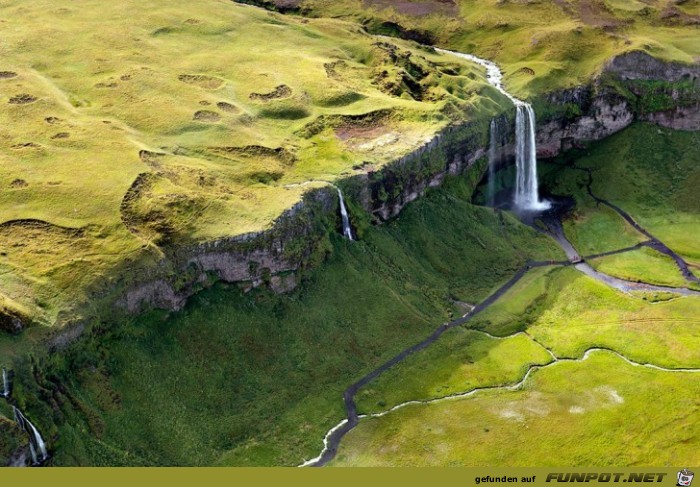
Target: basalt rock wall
x,y
633,86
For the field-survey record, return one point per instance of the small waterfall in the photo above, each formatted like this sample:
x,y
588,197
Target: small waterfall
x,y
5,384
347,230
494,143
37,447
526,194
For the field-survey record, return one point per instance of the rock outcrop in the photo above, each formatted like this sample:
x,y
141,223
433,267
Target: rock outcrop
x,y
639,65
632,86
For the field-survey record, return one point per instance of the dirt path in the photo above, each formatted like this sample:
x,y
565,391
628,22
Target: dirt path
x,y
552,220
333,437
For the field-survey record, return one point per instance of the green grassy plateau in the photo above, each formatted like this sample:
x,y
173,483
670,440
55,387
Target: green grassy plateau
x,y
541,45
134,127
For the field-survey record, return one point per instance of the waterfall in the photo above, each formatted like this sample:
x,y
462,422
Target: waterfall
x,y
526,191
5,384
493,159
347,230
526,188
37,447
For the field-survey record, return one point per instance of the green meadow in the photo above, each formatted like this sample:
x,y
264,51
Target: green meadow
x,y
644,264
461,360
652,174
599,412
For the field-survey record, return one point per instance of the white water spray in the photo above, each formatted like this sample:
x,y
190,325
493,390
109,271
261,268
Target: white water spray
x,y
526,187
5,384
347,230
493,156
37,447
526,190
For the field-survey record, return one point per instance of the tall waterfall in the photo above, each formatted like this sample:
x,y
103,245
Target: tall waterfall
x,y
526,187
37,447
526,190
5,384
347,230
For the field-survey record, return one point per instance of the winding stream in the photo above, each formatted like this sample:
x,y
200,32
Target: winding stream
x,y
332,439
533,368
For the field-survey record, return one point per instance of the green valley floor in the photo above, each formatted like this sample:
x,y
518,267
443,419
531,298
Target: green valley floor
x,y
563,369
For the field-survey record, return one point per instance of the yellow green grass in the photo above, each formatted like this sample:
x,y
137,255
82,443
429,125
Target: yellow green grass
x,y
461,360
602,411
646,265
569,312
584,313
513,312
588,223
679,230
540,45
219,96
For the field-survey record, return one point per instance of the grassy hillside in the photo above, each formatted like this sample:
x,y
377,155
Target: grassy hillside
x,y
131,127
257,379
541,45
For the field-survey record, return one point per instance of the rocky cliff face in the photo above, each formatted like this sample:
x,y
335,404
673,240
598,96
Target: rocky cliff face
x,y
639,65
273,257
269,257
634,86
453,151
601,117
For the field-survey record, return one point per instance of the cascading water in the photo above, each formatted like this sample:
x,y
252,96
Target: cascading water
x,y
347,230
526,187
37,447
494,142
5,384
526,190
